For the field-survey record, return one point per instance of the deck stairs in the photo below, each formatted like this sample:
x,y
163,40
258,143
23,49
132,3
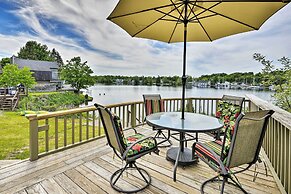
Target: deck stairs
x,y
9,102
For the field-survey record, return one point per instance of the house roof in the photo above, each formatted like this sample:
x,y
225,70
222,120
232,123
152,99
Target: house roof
x,y
35,65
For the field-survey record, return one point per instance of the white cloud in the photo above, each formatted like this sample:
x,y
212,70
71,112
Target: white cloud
x,y
139,56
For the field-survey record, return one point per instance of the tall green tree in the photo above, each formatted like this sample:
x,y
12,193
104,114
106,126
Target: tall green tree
x,y
77,74
55,55
4,61
12,76
279,77
35,51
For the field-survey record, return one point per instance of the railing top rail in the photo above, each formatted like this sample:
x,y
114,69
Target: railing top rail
x,y
280,115
60,113
91,108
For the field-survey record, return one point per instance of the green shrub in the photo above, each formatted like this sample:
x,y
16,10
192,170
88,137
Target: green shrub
x,y
51,102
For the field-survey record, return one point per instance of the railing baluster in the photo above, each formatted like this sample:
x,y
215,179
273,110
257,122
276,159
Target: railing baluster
x,y
65,131
80,128
99,126
123,115
73,129
87,125
93,120
56,132
47,136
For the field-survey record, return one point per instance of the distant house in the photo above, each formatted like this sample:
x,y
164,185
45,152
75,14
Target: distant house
x,y
45,72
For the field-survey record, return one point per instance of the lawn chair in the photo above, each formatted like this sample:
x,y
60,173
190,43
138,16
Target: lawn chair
x,y
228,108
153,104
241,145
127,149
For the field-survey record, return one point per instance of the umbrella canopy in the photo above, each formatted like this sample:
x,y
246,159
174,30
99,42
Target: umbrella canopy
x,y
191,20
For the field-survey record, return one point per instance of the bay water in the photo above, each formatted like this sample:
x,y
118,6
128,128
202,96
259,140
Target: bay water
x,y
113,94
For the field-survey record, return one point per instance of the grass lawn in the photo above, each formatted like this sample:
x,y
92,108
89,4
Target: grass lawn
x,y
14,133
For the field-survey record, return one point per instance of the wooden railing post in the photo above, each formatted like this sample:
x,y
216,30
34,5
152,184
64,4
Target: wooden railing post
x,y
133,115
33,137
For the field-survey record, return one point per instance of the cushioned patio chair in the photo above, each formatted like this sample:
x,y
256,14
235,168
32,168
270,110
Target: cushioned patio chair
x,y
153,104
128,149
228,108
241,145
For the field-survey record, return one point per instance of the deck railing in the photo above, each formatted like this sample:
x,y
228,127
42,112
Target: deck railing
x,y
64,129
277,142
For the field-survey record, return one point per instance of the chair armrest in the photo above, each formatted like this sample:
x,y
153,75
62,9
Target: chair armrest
x,y
134,143
221,165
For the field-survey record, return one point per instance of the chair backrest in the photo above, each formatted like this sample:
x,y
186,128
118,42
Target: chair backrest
x,y
236,100
113,129
249,132
153,103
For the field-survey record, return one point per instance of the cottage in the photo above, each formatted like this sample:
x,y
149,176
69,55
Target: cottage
x,y
45,72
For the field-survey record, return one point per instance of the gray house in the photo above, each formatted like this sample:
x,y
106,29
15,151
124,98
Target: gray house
x,y
45,72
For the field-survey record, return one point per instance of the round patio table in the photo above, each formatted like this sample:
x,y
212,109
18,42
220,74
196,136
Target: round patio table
x,y
193,123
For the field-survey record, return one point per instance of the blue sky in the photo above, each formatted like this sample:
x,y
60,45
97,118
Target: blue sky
x,y
80,28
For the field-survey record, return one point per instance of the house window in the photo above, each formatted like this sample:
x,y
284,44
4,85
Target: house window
x,y
55,74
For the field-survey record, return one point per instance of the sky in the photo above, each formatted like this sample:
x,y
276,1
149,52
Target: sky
x,y
79,28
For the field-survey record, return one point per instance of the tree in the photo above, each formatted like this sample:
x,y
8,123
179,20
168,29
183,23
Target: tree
x,y
279,77
4,61
77,74
35,51
12,76
55,55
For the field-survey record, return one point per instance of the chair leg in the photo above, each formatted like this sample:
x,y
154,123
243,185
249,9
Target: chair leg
x,y
207,181
119,172
164,138
223,183
225,180
238,185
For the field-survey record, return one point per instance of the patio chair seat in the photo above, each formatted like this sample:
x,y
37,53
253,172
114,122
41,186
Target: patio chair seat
x,y
203,153
143,146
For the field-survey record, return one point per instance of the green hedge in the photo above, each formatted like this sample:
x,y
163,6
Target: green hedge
x,y
52,102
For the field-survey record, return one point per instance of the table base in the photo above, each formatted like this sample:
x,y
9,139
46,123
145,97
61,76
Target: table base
x,y
185,156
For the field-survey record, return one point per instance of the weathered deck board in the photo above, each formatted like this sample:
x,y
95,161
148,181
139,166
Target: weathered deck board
x,y
88,167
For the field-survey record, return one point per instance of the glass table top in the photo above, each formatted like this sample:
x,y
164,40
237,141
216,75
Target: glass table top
x,y
193,122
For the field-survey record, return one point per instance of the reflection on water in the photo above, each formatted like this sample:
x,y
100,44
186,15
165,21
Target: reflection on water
x,y
104,94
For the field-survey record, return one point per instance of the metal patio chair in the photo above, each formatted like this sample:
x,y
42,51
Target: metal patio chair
x,y
228,108
128,149
153,104
241,145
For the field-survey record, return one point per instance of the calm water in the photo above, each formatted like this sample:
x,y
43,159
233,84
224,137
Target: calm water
x,y
104,94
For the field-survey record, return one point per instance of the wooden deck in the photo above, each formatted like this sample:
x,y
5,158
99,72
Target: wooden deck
x,y
87,169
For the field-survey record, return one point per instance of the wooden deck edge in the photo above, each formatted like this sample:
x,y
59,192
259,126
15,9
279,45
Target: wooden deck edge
x,y
274,174
6,163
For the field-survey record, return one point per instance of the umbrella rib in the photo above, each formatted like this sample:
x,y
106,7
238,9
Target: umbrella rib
x,y
172,34
205,10
193,19
200,23
166,14
242,23
141,11
177,8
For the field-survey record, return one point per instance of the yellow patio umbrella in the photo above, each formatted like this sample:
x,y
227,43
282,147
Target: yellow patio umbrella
x,y
191,20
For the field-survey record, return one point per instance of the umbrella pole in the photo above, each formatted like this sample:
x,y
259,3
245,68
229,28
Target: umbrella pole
x,y
184,77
